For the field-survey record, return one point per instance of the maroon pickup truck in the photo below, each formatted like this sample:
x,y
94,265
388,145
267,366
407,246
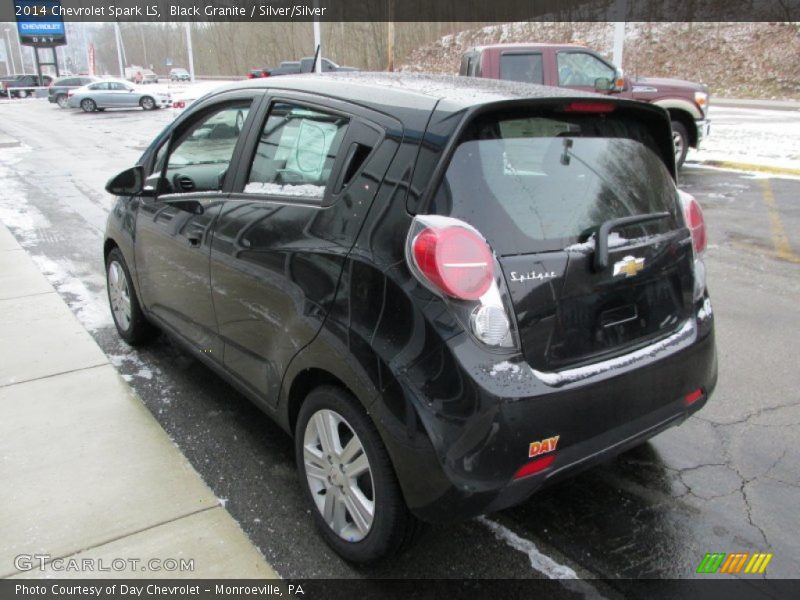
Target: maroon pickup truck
x,y
571,66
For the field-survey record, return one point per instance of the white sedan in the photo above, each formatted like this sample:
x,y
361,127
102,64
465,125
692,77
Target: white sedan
x,y
116,94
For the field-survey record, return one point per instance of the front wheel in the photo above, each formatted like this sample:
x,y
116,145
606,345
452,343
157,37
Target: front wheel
x,y
22,94
61,100
349,479
88,105
147,103
680,138
131,324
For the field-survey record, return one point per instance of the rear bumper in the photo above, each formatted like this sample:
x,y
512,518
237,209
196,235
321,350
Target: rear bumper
x,y
479,438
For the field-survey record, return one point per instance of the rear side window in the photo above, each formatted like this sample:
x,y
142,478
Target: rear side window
x,y
522,67
296,152
539,183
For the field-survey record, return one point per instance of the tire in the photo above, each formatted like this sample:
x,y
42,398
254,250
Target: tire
x,y
131,324
22,94
88,105
392,527
147,103
61,100
680,137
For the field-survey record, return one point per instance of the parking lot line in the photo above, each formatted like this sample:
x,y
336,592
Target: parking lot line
x,y
782,247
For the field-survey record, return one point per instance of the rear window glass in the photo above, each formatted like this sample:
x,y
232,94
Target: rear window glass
x,y
539,183
522,67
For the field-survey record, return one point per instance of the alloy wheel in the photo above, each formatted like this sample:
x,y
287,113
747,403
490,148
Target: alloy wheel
x,y
119,295
339,475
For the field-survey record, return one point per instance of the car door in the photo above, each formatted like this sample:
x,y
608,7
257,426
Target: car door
x,y
173,230
281,238
579,69
121,95
100,93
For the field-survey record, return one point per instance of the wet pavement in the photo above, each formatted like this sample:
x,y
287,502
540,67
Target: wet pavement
x,y
727,480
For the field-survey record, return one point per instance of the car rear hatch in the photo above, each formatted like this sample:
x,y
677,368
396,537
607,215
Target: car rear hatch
x,y
583,216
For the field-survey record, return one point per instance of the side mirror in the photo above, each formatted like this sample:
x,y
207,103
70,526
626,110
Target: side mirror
x,y
603,84
127,183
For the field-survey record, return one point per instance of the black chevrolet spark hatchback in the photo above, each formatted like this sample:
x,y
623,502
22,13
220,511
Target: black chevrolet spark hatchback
x,y
450,291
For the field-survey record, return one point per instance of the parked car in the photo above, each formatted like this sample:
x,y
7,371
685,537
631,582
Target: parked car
x,y
110,93
304,65
149,76
179,74
57,92
450,291
20,86
580,68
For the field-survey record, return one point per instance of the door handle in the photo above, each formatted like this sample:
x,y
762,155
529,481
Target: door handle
x,y
194,241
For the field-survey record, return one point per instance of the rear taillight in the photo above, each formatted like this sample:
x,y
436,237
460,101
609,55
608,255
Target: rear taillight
x,y
70,93
453,260
693,215
179,104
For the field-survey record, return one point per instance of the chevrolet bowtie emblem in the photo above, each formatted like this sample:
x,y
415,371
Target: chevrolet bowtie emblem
x,y
628,266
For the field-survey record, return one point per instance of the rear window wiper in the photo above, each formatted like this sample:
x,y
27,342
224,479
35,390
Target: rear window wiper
x,y
601,244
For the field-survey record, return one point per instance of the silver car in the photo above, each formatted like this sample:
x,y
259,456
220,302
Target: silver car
x,y
116,94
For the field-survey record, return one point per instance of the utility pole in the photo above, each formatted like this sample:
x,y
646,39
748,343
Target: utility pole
x,y
317,47
390,38
189,50
390,47
119,50
620,13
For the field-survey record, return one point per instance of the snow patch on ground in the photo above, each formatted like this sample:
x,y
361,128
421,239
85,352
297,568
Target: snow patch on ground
x,y
91,307
540,562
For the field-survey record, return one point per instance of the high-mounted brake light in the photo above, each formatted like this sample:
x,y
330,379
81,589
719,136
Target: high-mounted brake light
x,y
693,215
590,107
455,260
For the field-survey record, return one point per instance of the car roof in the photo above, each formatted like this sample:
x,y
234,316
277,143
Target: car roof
x,y
109,80
409,90
519,45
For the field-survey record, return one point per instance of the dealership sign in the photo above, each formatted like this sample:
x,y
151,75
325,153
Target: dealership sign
x,y
39,23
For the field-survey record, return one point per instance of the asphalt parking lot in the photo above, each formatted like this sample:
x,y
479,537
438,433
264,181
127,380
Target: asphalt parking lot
x,y
727,480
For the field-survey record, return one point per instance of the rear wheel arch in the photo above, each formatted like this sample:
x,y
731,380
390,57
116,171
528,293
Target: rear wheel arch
x,y
303,384
108,246
687,120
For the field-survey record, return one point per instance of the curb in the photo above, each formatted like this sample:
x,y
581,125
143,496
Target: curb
x,y
740,166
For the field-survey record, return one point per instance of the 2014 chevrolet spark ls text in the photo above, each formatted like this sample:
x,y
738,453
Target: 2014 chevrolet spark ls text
x,y
450,291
